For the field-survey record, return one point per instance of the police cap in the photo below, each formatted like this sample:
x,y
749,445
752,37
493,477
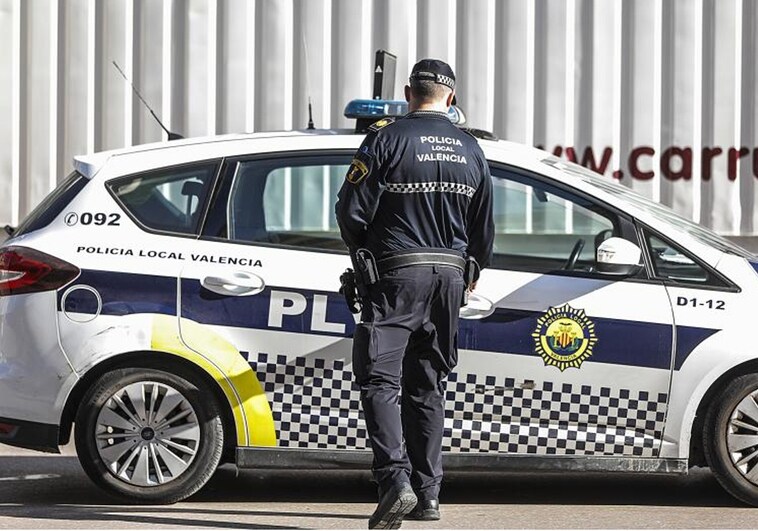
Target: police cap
x,y
433,70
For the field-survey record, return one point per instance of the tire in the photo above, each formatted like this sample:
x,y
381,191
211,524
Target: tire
x,y
159,457
734,459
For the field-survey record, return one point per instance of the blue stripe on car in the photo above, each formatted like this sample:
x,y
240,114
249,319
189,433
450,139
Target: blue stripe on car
x,y
622,342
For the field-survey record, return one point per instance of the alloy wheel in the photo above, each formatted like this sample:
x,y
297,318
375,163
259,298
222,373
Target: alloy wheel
x,y
742,437
147,434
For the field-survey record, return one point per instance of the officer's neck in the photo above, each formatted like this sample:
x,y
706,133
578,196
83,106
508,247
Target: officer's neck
x,y
437,106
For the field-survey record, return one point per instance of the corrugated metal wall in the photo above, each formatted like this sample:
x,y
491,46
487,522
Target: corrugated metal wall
x,y
624,77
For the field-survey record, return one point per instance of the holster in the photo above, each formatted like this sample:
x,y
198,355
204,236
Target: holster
x,y
365,267
349,290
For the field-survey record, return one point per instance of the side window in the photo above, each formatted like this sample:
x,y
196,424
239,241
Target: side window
x,y
670,262
286,202
541,228
169,199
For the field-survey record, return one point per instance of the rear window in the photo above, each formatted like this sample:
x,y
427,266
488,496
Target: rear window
x,y
53,204
169,199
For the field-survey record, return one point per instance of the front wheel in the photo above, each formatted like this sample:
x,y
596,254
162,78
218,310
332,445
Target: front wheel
x,y
730,438
148,435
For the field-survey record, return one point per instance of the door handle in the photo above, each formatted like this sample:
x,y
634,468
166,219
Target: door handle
x,y
478,307
235,283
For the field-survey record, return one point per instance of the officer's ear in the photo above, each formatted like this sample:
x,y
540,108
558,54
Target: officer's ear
x,y
408,93
450,99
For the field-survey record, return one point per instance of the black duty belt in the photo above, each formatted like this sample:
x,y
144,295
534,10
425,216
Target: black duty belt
x,y
412,259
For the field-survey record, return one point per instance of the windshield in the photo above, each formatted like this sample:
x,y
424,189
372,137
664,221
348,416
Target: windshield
x,y
661,212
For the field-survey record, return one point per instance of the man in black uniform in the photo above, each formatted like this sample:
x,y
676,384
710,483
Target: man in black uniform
x,y
415,210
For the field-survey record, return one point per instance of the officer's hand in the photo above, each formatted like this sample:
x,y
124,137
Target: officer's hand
x,y
472,287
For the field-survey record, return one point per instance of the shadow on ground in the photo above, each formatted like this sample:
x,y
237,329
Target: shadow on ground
x,y
53,480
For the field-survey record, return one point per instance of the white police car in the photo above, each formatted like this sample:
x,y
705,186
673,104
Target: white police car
x,y
178,302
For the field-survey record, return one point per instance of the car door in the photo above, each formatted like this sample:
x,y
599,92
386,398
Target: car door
x,y
265,278
556,358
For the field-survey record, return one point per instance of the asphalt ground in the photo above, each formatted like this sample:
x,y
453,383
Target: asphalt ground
x,y
40,491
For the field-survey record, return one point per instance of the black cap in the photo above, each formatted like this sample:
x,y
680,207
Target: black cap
x,y
433,70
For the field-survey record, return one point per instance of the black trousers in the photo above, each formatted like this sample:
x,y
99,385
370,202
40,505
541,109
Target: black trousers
x,y
407,339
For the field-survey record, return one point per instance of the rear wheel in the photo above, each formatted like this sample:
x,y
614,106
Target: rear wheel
x,y
149,435
730,438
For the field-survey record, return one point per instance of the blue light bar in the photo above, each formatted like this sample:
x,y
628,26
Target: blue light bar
x,y
377,109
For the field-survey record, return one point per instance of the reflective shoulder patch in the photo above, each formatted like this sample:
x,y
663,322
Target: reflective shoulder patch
x,y
381,123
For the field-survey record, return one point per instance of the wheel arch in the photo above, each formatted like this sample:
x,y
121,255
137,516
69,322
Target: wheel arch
x,y
696,451
150,360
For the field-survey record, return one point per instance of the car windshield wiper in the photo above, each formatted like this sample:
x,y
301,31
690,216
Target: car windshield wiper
x,y
9,230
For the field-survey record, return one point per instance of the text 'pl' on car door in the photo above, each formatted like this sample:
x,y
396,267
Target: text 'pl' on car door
x,y
275,297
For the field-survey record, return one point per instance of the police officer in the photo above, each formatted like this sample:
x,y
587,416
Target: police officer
x,y
415,211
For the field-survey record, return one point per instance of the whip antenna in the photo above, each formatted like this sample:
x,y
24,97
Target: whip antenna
x,y
310,115
171,136
307,81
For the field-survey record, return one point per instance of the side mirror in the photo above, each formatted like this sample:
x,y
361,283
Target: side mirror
x,y
618,257
456,115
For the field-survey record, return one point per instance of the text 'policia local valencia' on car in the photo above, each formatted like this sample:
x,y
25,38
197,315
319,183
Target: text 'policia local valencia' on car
x,y
178,302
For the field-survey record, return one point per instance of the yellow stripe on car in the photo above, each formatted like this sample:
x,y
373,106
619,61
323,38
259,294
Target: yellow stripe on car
x,y
253,419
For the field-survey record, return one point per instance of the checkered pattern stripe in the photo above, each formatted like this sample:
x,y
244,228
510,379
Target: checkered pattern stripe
x,y
422,188
484,415
315,405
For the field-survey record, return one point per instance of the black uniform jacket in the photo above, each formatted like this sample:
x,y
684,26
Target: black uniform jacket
x,y
418,183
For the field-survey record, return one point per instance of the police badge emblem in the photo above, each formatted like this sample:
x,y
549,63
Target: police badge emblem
x,y
357,171
564,337
381,123
359,167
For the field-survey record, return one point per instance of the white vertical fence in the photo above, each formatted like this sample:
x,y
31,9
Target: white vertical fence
x,y
660,94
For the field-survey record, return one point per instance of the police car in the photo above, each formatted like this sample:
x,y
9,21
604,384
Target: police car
x,y
178,302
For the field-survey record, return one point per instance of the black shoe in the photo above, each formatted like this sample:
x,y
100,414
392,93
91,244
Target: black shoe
x,y
393,506
425,510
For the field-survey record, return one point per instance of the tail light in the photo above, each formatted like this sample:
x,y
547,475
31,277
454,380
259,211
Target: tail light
x,y
7,430
25,270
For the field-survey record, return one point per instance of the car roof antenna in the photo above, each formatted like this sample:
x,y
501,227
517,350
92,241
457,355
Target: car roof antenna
x,y
310,127
310,116
171,136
